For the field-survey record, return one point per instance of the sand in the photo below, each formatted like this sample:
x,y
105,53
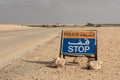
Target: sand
x,y
4,27
36,64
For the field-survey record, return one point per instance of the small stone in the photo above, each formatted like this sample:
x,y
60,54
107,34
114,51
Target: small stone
x,y
58,62
89,79
91,59
36,58
80,60
118,73
46,72
37,79
94,65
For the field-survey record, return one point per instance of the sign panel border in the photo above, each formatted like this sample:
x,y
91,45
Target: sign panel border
x,y
75,54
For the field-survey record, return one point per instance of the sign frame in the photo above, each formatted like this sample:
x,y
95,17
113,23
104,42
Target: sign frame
x,y
76,55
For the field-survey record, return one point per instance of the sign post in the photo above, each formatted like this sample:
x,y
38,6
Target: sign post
x,y
76,43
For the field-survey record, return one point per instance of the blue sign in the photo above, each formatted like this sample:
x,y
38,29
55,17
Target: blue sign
x,y
82,42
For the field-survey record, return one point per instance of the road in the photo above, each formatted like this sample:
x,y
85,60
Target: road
x,y
14,44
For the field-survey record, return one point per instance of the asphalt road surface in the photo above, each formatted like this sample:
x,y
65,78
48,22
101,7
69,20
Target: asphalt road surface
x,y
13,44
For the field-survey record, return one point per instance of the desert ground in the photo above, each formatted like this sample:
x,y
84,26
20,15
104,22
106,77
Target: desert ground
x,y
4,27
15,42
35,63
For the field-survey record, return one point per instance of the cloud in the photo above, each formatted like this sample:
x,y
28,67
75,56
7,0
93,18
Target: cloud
x,y
65,11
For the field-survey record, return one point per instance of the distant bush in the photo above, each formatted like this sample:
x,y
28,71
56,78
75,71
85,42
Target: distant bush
x,y
98,25
43,25
54,25
90,24
63,25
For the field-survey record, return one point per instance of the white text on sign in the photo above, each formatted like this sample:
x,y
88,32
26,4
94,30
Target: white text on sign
x,y
80,49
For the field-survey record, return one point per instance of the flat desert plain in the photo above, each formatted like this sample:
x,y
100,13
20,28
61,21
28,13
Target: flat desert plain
x,y
4,27
35,65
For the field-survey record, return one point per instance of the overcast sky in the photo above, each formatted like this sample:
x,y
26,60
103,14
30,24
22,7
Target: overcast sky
x,y
62,11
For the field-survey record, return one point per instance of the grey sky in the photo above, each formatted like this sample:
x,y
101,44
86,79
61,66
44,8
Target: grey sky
x,y
62,11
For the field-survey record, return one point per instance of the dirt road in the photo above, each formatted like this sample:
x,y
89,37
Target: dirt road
x,y
14,43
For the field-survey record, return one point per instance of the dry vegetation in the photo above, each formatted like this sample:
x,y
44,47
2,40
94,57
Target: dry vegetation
x,y
53,25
